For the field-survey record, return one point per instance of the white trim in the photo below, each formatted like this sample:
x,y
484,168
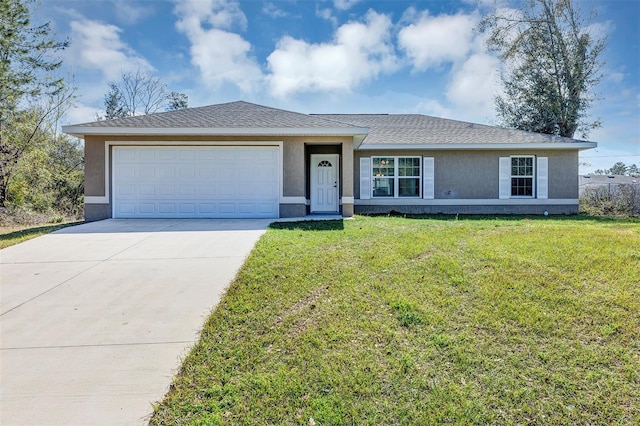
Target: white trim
x,y
347,200
532,176
80,131
93,199
396,176
293,200
542,178
428,178
504,178
106,198
195,143
480,146
465,202
365,178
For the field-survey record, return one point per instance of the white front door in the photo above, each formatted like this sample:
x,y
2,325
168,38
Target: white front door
x,y
324,183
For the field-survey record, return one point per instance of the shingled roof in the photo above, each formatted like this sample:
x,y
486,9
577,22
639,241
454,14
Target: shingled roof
x,y
229,118
371,131
415,129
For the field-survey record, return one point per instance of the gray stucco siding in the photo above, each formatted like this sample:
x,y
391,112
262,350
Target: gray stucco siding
x,y
293,167
94,166
475,174
517,209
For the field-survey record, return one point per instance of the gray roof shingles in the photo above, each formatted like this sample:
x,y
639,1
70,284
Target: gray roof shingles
x,y
383,129
416,129
229,115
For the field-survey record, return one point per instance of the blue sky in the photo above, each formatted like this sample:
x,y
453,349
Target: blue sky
x,y
331,56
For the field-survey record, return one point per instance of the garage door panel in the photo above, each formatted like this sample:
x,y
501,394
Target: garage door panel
x,y
147,191
147,208
206,208
205,182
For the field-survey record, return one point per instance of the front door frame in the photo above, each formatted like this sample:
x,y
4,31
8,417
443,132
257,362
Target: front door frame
x,y
335,161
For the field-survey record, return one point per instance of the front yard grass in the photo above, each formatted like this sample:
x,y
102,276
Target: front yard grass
x,y
12,236
388,320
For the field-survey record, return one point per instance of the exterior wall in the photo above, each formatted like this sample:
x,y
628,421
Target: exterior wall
x,y
470,209
474,175
93,212
293,210
293,154
94,166
563,174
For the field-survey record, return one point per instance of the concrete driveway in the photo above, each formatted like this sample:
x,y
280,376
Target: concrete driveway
x,y
96,318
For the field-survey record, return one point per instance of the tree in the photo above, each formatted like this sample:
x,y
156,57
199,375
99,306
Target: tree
x,y
27,67
552,63
136,93
618,169
28,133
26,57
113,103
177,101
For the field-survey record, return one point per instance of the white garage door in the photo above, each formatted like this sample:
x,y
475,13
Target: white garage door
x,y
195,182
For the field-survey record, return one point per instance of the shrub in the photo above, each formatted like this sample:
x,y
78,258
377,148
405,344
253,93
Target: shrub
x,y
618,200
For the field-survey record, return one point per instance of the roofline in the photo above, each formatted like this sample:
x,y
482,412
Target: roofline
x,y
482,146
80,131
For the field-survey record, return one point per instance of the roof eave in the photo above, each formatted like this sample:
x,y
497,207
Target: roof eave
x,y
81,131
480,146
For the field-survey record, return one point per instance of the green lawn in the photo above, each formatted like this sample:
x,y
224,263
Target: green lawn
x,y
387,320
12,237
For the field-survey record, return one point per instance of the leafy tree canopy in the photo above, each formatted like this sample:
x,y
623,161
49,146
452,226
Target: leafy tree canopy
x,y
27,57
552,63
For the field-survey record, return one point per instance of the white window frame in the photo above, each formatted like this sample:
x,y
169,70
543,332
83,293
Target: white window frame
x,y
532,177
396,178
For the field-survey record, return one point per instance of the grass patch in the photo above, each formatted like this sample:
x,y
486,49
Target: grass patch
x,y
390,320
17,236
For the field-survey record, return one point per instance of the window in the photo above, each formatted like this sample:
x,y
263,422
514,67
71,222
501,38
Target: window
x,y
396,176
522,173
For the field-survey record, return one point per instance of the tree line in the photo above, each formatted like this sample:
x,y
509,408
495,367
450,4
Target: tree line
x,y
619,168
41,169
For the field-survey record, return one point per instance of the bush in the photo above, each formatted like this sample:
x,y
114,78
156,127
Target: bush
x,y
21,216
619,200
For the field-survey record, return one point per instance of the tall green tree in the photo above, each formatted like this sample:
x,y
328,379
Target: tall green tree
x,y
27,57
28,61
177,101
552,62
113,103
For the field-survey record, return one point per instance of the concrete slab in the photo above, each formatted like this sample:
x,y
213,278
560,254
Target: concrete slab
x,y
40,278
97,341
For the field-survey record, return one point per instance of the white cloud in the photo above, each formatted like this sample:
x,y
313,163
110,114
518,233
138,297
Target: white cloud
x,y
273,11
328,15
220,14
130,13
220,55
98,46
600,30
81,113
359,52
432,41
434,108
474,85
344,4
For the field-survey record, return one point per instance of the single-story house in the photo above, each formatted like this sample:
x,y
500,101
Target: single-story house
x,y
242,160
609,182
